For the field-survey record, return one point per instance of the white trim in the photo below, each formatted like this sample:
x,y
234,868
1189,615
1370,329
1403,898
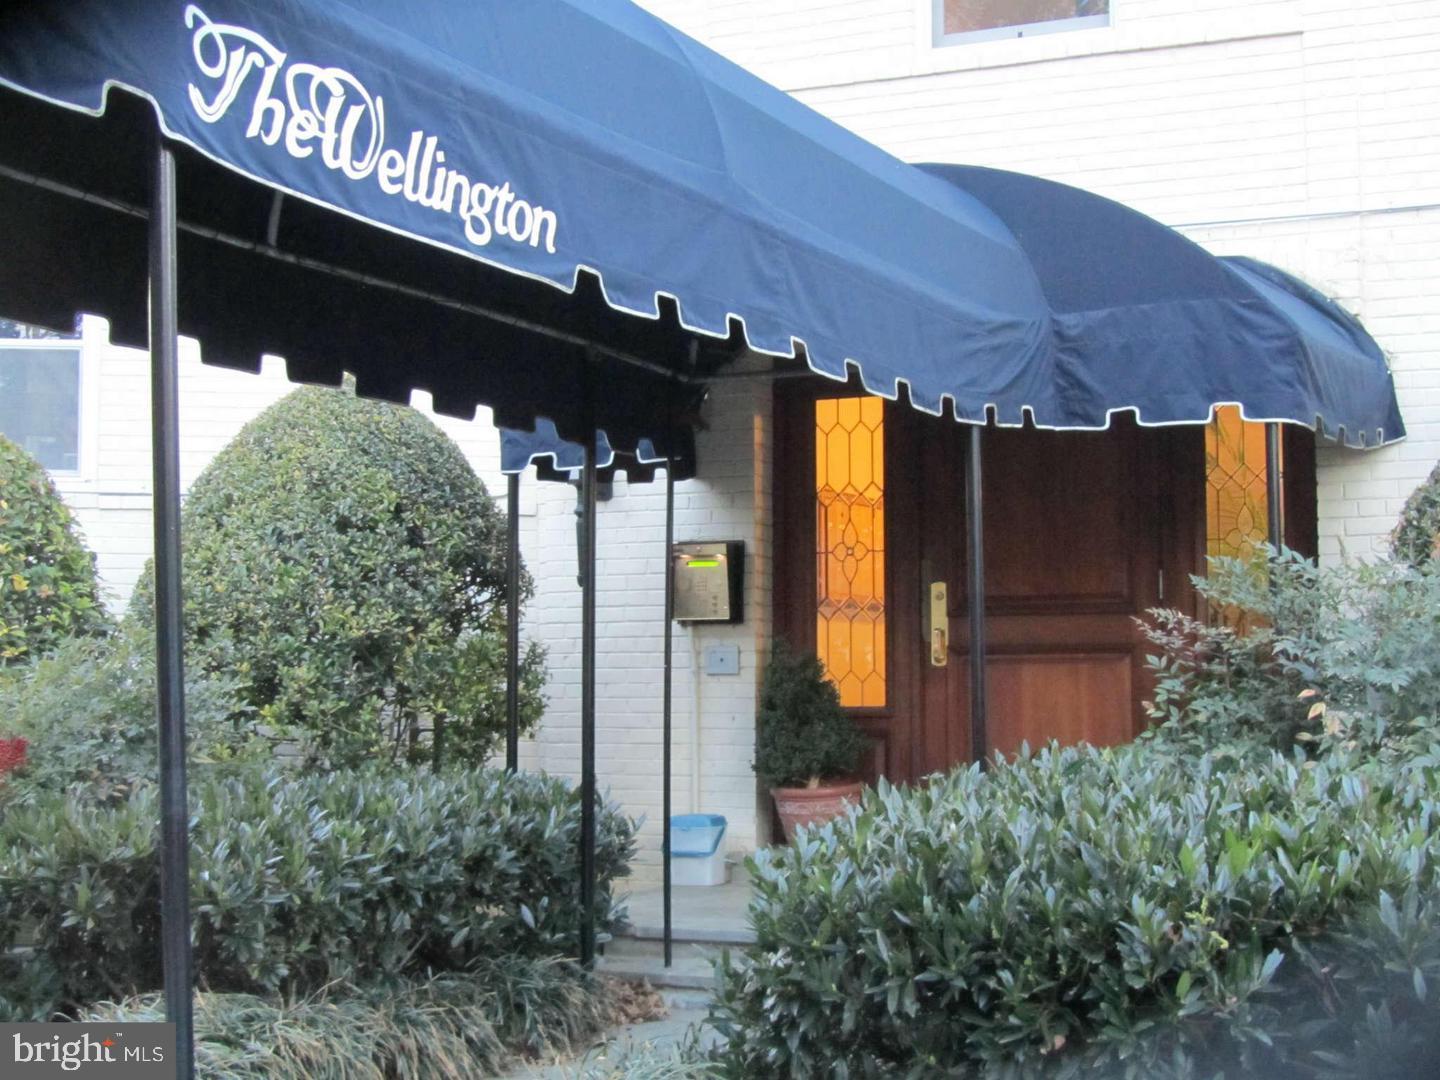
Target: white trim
x,y
850,365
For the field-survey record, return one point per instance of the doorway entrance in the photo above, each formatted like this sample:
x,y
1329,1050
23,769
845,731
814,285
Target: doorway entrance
x,y
1083,532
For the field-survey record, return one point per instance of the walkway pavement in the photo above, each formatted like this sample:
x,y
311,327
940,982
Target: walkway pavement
x,y
617,1044
715,913
705,920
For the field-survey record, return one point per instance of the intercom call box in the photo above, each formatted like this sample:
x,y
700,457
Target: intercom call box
x,y
709,576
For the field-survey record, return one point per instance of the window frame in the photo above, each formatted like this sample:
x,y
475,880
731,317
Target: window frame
x,y
940,39
84,406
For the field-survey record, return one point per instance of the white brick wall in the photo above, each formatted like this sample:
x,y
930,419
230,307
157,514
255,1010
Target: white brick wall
x,y
729,501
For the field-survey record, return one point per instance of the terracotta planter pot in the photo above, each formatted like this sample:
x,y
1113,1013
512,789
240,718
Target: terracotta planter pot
x,y
806,805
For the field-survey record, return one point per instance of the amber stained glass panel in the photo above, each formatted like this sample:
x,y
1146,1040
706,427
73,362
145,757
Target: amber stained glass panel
x,y
1237,515
850,546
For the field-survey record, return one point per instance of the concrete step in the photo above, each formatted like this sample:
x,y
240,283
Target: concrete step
x,y
629,945
691,973
705,933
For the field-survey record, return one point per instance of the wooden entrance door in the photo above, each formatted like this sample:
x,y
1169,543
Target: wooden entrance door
x,y
1083,532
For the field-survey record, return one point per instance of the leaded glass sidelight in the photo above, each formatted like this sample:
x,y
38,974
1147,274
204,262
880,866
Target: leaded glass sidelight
x,y
1237,516
850,546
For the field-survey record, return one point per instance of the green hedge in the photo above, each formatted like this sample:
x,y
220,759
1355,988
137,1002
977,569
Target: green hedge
x,y
87,710
299,882
1110,910
47,577
1417,537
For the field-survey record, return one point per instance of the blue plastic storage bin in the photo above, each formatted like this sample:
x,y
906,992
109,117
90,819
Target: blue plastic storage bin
x,y
695,845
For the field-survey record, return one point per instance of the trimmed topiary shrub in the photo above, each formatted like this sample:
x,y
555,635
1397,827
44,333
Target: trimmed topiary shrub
x,y
803,736
1101,912
47,577
1417,538
298,883
345,566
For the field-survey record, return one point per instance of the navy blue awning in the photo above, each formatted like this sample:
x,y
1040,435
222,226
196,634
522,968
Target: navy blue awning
x,y
555,458
478,199
1145,320
535,150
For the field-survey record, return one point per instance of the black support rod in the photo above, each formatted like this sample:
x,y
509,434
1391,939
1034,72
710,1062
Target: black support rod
x,y
669,696
1275,485
169,620
587,708
975,529
512,624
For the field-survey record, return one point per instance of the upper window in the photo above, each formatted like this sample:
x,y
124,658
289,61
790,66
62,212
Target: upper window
x,y
983,20
40,395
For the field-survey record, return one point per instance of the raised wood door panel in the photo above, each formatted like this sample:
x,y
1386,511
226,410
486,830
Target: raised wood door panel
x,y
1075,540
1036,697
1057,537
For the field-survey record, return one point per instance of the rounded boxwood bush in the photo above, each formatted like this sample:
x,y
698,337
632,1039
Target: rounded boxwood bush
x,y
1417,537
344,567
47,577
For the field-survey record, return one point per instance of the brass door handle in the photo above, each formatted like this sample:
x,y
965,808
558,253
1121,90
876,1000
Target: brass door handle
x,y
939,625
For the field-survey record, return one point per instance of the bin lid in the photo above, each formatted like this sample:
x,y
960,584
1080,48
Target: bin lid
x,y
697,821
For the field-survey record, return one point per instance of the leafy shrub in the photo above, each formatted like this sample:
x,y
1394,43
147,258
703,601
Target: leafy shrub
x,y
87,711
803,736
344,563
1100,910
47,578
443,1028
1348,654
1417,537
299,882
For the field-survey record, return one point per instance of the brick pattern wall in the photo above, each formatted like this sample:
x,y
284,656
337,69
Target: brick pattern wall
x,y
713,715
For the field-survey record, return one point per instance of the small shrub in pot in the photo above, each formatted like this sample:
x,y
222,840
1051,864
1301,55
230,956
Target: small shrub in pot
x,y
807,747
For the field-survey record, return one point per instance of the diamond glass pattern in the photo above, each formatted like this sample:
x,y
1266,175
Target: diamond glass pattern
x,y
850,546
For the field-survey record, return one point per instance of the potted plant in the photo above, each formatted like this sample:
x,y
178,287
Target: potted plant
x,y
807,747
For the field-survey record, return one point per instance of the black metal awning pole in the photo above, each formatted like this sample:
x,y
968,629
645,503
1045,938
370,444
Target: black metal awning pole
x,y
1275,485
169,618
587,708
975,528
669,695
512,625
